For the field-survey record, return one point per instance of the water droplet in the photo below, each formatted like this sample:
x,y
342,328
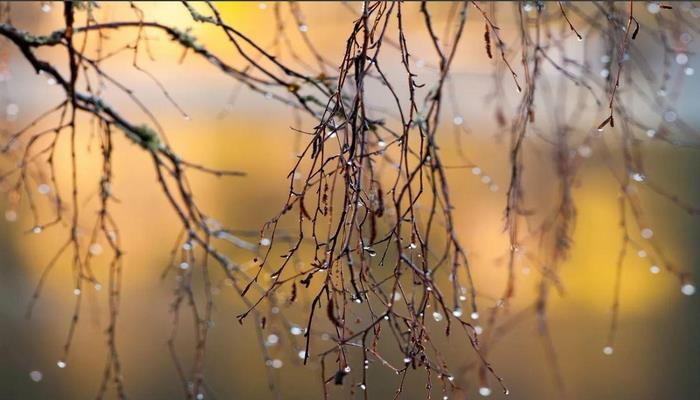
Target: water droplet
x,y
45,6
51,81
608,350
303,28
642,253
265,242
647,233
437,316
347,369
486,179
604,73
11,215
184,266
61,364
98,287
412,246
493,187
363,386
407,360
43,188
277,363
681,58
478,330
485,391
36,376
638,177
200,396
653,7
95,249
262,5
272,340
12,110
457,312
585,151
302,354
187,246
36,229
76,291
688,289
654,269
474,315
458,120
689,71
670,116
295,330
651,133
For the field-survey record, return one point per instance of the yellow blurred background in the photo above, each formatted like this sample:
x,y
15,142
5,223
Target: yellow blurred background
x,y
657,349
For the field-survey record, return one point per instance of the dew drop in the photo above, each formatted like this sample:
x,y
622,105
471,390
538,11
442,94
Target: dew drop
x,y
476,171
585,151
458,120
36,229
647,233
11,215
457,312
689,71
76,292
95,249
478,330
485,391
51,81
654,269
642,253
607,350
653,7
670,116
303,28
12,110
688,289
277,363
363,386
295,330
681,58
412,246
437,316
407,360
347,369
45,6
651,133
638,177
272,340
265,242
302,354
36,376
61,364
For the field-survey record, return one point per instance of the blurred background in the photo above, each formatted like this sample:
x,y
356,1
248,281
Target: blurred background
x,y
657,348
